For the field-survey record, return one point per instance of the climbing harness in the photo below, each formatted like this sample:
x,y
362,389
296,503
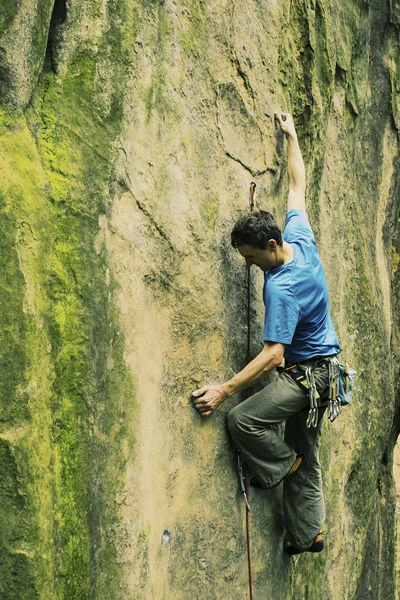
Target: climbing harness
x,y
243,472
341,378
303,375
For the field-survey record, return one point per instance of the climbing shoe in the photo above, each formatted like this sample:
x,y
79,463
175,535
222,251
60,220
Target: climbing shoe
x,y
296,464
316,546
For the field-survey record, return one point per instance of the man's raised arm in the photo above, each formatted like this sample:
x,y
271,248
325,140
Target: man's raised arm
x,y
296,169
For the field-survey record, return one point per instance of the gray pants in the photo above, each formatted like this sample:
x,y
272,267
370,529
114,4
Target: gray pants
x,y
253,427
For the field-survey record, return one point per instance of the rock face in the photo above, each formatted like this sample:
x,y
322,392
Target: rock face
x,y
130,132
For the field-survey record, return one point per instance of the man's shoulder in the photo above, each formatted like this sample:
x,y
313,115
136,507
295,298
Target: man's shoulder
x,y
279,281
298,228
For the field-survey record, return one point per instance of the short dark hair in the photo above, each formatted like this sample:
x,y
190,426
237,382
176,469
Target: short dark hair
x,y
255,229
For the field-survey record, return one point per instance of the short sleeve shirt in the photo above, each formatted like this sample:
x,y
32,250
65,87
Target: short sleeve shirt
x,y
296,297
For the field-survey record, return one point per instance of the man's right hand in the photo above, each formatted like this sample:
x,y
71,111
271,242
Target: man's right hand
x,y
287,125
208,398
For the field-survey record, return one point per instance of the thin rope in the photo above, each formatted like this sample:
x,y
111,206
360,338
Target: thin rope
x,y
247,486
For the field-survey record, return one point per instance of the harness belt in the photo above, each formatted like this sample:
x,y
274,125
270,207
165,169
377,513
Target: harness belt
x,y
303,375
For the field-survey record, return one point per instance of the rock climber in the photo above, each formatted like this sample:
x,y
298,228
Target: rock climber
x,y
298,336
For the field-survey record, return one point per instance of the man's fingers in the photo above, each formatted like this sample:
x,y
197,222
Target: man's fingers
x,y
206,414
200,401
207,399
281,117
202,405
200,391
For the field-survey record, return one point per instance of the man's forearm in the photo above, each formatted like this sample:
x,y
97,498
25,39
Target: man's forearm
x,y
296,168
259,366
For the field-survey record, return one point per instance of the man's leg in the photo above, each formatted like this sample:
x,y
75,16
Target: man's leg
x,y
253,427
303,501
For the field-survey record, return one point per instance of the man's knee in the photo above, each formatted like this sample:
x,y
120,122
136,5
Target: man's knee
x,y
233,421
239,422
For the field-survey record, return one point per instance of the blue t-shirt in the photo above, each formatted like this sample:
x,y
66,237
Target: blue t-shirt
x,y
296,297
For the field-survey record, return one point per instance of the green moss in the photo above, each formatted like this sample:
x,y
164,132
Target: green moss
x,y
193,38
209,210
17,582
13,405
23,40
71,524
393,95
27,423
156,96
39,32
8,12
373,404
22,443
395,261
12,524
74,139
307,76
324,69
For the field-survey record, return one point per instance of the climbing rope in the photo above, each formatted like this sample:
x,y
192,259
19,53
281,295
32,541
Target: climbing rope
x,y
246,477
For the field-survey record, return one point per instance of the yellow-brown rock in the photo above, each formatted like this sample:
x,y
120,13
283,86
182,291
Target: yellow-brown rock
x,y
130,131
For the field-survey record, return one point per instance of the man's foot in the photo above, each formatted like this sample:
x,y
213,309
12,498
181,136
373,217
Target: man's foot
x,y
316,546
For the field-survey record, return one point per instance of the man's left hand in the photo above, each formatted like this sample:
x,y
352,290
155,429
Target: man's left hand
x,y
208,398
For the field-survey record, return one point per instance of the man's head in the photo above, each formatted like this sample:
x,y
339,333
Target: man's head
x,y
258,238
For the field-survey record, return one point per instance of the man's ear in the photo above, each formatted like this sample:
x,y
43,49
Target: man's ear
x,y
272,244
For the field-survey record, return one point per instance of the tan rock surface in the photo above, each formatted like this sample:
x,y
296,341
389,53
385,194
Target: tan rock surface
x,y
140,127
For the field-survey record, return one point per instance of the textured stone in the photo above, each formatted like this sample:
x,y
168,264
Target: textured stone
x,y
24,32
140,127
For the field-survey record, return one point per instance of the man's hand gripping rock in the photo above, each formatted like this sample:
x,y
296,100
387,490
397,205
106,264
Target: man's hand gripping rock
x,y
286,124
208,398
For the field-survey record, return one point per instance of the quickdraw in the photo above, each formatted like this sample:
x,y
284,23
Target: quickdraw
x,y
334,404
242,479
312,419
304,376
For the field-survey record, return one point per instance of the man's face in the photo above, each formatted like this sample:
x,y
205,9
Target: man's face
x,y
265,259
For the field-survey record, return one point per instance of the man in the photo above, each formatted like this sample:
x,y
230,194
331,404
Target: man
x,y
297,328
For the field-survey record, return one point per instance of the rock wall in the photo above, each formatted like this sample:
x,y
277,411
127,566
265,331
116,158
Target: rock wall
x,y
130,132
